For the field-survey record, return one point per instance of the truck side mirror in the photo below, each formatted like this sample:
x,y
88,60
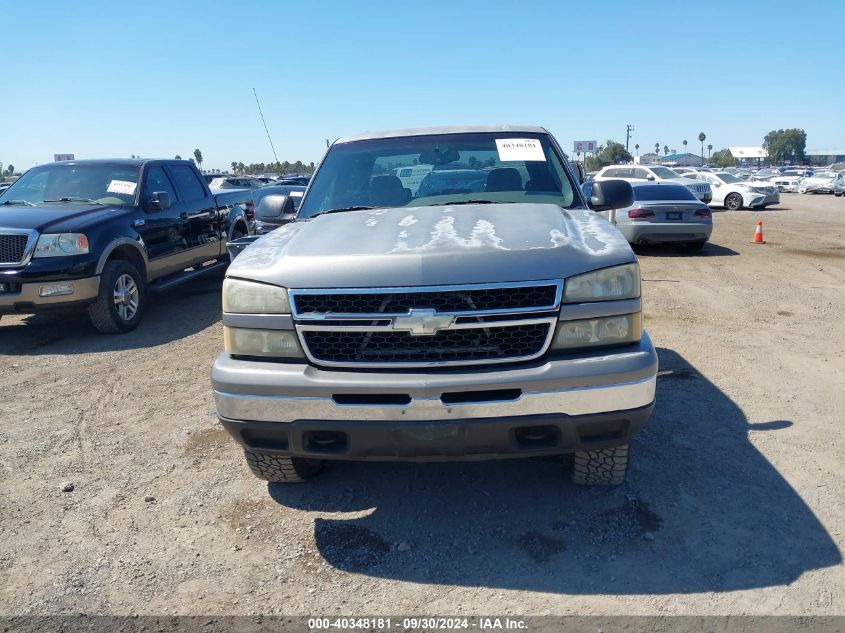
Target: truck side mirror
x,y
159,201
275,209
649,177
611,194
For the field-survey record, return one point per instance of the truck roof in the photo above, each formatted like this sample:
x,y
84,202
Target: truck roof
x,y
447,129
123,161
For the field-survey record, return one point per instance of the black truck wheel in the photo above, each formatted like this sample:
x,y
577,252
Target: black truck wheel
x,y
281,469
121,299
606,467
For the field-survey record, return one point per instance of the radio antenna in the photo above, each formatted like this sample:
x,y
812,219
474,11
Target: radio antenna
x,y
265,125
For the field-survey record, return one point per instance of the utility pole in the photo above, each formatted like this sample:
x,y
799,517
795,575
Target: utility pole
x,y
629,129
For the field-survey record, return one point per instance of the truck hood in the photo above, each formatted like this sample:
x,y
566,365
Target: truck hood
x,y
436,245
62,217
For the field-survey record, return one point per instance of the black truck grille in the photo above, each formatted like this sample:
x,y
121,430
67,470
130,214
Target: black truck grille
x,y
462,300
472,344
12,248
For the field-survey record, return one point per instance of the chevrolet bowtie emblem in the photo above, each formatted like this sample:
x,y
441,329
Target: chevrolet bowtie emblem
x,y
423,322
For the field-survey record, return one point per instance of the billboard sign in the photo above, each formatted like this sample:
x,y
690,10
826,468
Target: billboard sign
x,y
58,157
584,147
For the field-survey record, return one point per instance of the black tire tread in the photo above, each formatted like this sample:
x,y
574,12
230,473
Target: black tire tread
x,y
101,311
280,469
605,467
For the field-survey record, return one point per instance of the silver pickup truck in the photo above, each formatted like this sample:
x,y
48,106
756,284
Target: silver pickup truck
x,y
484,312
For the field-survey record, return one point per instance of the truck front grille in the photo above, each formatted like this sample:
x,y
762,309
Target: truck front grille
x,y
384,327
473,344
465,300
13,248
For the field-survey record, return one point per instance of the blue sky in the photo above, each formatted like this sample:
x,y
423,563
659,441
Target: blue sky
x,y
113,78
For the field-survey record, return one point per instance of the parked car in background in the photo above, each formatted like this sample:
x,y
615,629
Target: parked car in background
x,y
656,174
661,213
235,182
294,180
787,180
819,182
4,186
839,184
275,206
734,193
102,235
685,171
209,176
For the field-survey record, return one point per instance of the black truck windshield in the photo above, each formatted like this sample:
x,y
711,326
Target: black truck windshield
x,y
439,169
103,183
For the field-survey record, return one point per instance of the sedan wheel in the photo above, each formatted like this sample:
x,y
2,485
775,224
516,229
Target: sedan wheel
x,y
733,201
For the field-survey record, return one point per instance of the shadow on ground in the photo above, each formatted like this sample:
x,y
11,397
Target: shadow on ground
x,y
674,250
702,510
171,315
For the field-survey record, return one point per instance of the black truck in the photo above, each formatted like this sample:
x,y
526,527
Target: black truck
x,y
102,235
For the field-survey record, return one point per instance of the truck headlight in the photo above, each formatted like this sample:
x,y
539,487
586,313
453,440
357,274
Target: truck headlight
x,y
615,330
60,244
239,341
249,297
618,282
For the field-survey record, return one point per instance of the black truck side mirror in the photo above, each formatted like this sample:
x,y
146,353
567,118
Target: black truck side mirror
x,y
159,201
611,194
275,209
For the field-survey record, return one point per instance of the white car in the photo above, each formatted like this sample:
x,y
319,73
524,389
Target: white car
x,y
819,182
233,182
656,174
788,180
734,193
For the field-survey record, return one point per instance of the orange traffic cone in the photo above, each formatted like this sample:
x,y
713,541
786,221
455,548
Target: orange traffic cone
x,y
758,234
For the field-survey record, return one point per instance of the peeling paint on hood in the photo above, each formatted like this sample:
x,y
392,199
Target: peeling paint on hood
x,y
477,243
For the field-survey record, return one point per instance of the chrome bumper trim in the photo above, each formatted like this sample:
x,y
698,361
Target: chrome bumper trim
x,y
576,401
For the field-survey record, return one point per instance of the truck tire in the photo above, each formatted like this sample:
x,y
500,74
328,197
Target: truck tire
x,y
280,469
606,467
121,300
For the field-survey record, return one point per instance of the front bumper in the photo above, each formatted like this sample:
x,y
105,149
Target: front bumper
x,y
546,407
761,200
25,298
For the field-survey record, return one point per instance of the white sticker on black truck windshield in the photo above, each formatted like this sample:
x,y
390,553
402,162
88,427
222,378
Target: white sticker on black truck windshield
x,y
519,149
125,187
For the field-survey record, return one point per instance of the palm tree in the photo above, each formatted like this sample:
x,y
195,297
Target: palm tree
x,y
685,147
637,147
709,149
665,150
177,157
657,148
234,166
701,137
198,157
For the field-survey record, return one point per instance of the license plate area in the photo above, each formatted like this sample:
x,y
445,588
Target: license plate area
x,y
7,288
673,215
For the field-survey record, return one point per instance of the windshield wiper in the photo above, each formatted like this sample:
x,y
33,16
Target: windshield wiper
x,y
457,202
11,202
342,209
75,199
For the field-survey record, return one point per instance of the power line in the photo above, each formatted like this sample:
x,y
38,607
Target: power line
x,y
265,125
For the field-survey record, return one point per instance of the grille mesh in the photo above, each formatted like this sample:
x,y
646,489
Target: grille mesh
x,y
12,248
442,301
474,344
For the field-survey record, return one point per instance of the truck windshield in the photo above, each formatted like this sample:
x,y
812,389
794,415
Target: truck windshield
x,y
104,183
440,169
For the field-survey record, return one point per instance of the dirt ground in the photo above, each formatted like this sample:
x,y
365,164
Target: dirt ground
x,y
734,504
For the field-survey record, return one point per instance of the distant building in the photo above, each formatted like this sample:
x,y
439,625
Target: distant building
x,y
649,158
681,160
748,155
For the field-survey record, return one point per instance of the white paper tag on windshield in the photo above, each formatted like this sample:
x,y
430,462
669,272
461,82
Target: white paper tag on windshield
x,y
295,194
125,187
520,149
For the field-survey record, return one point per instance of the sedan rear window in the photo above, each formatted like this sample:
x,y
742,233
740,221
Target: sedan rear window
x,y
663,192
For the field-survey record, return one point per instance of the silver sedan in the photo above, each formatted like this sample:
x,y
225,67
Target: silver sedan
x,y
662,213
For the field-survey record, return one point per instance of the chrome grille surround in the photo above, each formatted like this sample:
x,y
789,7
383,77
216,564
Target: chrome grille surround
x,y
470,326
12,252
